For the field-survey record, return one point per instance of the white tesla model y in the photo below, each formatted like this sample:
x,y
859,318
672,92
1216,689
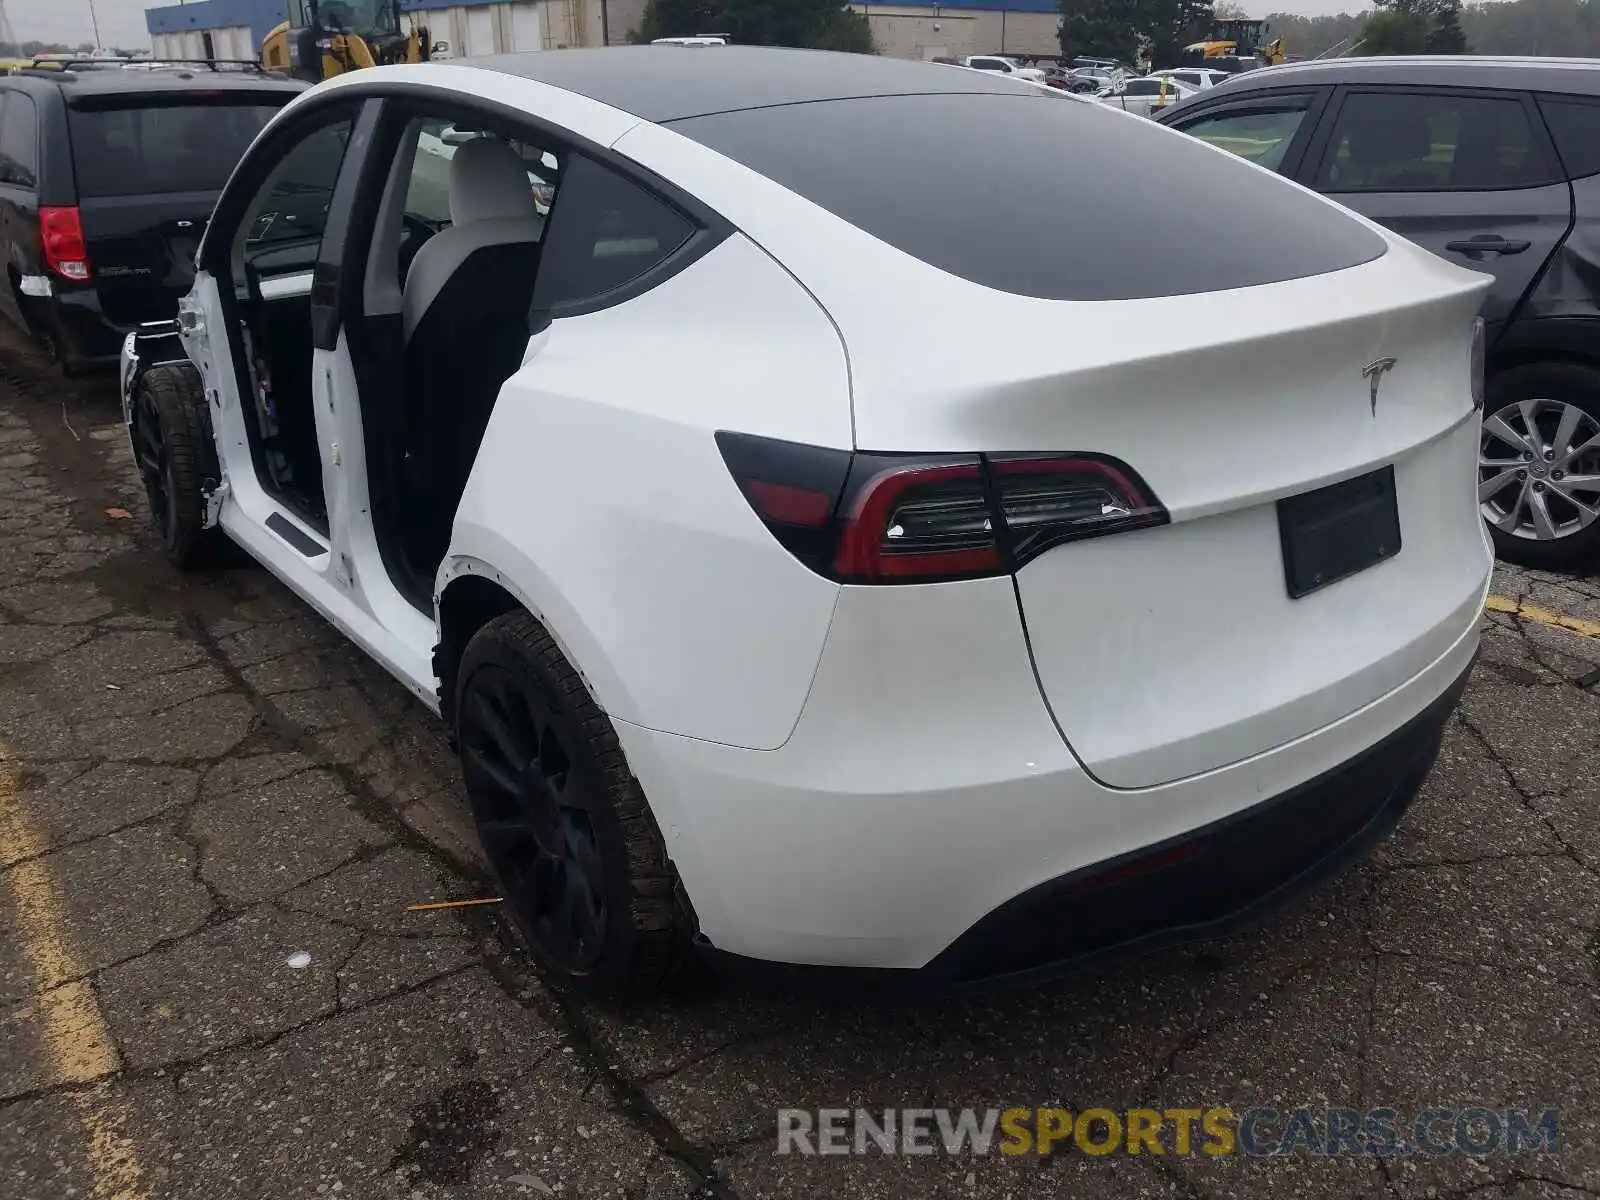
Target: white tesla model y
x,y
827,542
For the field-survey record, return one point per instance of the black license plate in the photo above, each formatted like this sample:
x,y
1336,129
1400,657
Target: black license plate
x,y
1333,532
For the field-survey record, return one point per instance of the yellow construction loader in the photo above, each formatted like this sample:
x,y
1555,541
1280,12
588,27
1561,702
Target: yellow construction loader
x,y
1235,46
335,36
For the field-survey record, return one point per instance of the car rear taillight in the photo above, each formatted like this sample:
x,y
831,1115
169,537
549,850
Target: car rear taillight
x,y
917,520
1049,499
891,518
65,252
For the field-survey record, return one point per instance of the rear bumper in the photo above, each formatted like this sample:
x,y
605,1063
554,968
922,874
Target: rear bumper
x,y
897,829
1199,885
1212,880
85,336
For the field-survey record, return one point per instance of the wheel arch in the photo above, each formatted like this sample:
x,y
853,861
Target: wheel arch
x,y
154,345
466,604
472,592
1574,341
1522,356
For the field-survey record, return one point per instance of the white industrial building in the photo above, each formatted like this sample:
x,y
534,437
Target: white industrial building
x,y
234,28
924,29
909,29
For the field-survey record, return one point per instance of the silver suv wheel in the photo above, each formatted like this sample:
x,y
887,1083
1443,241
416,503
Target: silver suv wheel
x,y
1539,469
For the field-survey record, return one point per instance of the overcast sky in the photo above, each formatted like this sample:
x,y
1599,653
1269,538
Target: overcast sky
x,y
122,21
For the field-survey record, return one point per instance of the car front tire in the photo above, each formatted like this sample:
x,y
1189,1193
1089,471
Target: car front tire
x,y
177,460
1538,478
568,833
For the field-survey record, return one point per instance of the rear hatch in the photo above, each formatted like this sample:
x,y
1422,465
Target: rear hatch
x,y
148,170
1323,542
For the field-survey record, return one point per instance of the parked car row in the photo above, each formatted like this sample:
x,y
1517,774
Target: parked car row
x,y
832,680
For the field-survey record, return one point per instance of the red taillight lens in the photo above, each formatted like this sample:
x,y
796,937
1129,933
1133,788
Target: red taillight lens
x,y
919,521
886,518
795,490
65,253
788,504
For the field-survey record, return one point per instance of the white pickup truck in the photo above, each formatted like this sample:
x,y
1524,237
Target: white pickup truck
x,y
1000,65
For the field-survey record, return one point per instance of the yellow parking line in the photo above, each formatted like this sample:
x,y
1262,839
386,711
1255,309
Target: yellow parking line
x,y
73,1034
1543,616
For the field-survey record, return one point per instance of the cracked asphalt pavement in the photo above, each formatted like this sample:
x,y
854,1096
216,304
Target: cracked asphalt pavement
x,y
200,780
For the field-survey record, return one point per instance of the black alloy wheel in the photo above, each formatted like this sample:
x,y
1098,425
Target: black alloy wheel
x,y
532,811
583,867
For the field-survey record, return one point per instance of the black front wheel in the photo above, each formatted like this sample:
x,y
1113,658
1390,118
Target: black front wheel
x,y
171,436
564,823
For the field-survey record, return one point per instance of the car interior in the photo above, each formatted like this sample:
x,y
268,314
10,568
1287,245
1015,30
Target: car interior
x,y
465,300
445,320
1412,148
1392,154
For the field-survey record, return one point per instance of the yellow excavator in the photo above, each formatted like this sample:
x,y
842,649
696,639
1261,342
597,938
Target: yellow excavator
x,y
335,36
1235,45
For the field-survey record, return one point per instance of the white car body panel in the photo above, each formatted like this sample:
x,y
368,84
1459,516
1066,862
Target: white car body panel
x,y
885,857
666,651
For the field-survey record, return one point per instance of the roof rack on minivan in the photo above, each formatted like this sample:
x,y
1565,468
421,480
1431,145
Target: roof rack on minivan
x,y
53,65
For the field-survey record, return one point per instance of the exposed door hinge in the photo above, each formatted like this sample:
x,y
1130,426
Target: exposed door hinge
x,y
190,320
213,497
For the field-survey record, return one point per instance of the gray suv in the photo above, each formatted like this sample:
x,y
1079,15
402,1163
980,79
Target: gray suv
x,y
1492,163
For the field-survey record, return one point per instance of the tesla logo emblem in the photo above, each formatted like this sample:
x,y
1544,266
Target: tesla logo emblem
x,y
1374,372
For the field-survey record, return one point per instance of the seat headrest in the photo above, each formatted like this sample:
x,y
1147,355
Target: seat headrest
x,y
488,180
1403,139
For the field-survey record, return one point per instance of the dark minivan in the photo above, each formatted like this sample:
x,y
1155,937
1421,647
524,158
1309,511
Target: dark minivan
x,y
1493,164
108,172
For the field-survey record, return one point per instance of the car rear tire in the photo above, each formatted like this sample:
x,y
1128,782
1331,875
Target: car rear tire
x,y
1538,476
177,459
566,828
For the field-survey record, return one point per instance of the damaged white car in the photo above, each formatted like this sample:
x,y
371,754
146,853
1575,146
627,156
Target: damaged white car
x,y
820,556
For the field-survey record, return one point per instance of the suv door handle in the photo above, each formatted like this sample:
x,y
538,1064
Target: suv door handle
x,y
1488,243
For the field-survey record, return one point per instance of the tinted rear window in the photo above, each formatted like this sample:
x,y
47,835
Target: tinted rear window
x,y
1042,195
1575,125
167,146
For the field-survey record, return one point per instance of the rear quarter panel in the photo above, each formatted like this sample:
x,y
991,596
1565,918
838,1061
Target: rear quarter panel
x,y
600,495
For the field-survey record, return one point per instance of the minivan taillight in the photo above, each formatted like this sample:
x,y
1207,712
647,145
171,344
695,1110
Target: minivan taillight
x,y
892,518
65,252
